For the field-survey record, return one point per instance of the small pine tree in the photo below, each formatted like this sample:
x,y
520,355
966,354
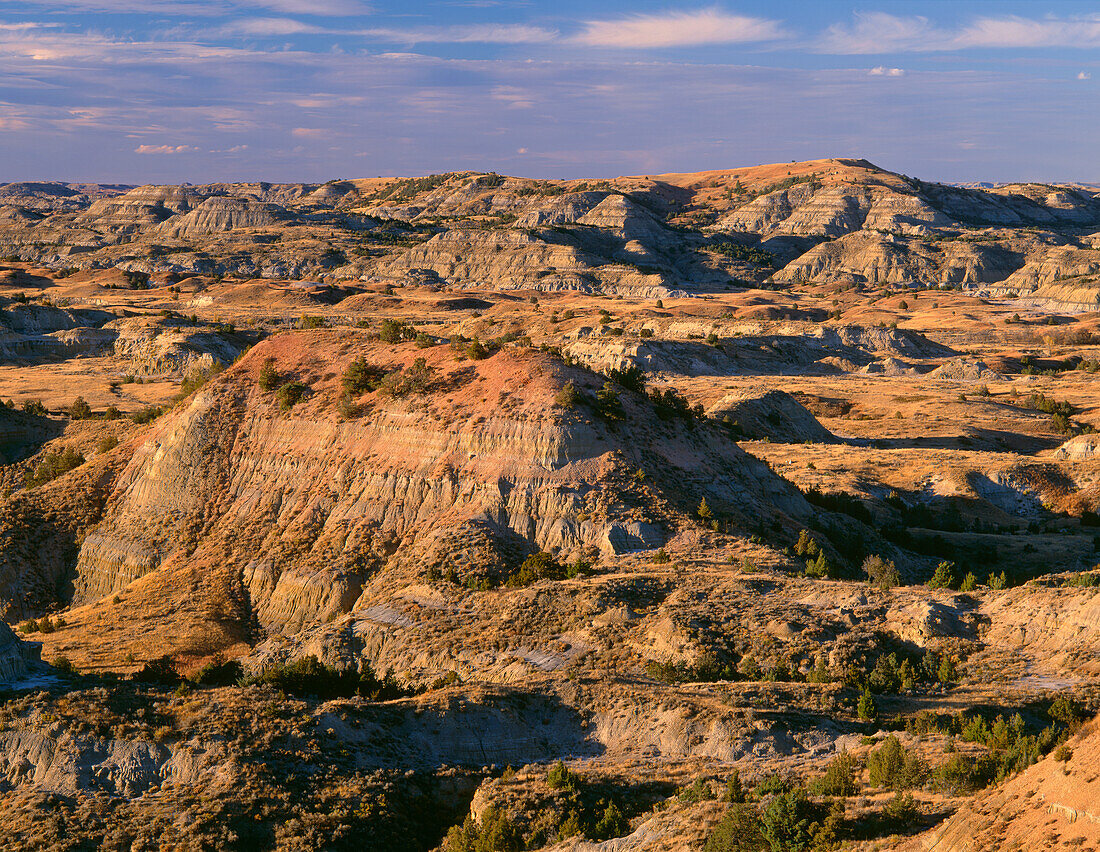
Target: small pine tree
x,y
269,378
704,511
866,709
969,583
943,578
735,791
79,410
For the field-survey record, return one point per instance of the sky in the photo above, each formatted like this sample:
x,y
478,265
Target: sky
x,y
141,91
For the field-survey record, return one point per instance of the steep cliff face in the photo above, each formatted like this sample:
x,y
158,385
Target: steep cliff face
x,y
479,470
872,257
834,210
222,214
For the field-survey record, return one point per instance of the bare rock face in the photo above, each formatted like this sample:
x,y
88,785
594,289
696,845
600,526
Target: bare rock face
x,y
16,656
220,213
308,507
1079,448
140,208
879,258
966,370
775,415
834,210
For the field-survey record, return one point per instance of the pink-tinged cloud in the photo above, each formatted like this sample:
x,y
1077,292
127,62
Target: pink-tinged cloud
x,y
678,29
881,32
164,149
463,34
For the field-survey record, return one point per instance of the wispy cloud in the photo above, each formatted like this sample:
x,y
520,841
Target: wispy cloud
x,y
272,27
463,34
678,29
320,8
881,33
883,71
164,149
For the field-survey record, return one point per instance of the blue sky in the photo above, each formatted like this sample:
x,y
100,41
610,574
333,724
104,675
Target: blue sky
x,y
284,90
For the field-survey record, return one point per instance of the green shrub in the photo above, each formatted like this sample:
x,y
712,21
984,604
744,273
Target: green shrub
x,y
414,379
839,778
739,831
631,377
219,673
735,790
567,397
195,379
79,410
52,465
969,583
891,765
161,670
611,823
866,708
106,444
697,791
310,677
608,404
943,578
475,350
309,322
786,822
268,379
147,415
346,407
881,572
290,394
537,566
35,407
561,778
494,833
361,376
901,809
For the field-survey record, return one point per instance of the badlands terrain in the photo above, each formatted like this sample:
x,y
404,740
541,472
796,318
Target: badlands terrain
x,y
755,509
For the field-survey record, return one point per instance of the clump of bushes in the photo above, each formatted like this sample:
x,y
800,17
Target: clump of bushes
x,y
413,379
268,379
893,766
195,379
53,465
147,415
567,397
361,376
881,572
290,394
308,676
80,410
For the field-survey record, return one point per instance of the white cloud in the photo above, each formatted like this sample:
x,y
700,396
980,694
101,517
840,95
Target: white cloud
x,y
678,29
164,149
515,97
319,8
881,32
272,27
1084,75
474,33
883,71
